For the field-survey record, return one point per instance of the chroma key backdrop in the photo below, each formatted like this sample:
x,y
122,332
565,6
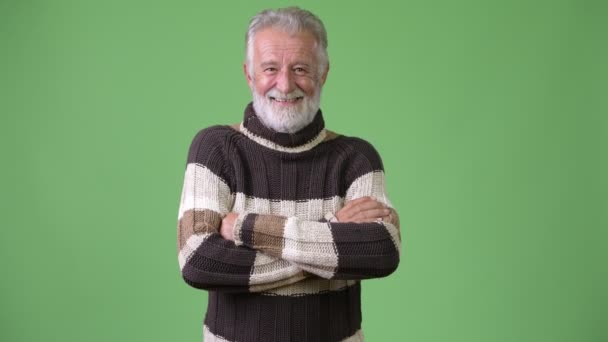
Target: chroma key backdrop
x,y
491,118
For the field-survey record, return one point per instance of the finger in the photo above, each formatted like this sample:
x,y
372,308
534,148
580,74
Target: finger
x,y
352,208
367,205
373,213
363,221
359,200
366,220
360,204
357,211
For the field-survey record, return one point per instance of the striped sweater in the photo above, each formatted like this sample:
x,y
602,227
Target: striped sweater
x,y
290,275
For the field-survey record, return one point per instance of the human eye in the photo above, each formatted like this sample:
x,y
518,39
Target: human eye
x,y
300,70
270,70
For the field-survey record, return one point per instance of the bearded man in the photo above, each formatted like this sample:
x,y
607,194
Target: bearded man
x,y
280,218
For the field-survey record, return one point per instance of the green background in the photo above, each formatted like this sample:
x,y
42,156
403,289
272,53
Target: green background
x,y
491,118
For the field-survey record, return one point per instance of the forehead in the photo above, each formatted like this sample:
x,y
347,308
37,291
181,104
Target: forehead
x,y
272,43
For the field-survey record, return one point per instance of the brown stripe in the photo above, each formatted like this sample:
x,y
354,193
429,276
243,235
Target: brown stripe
x,y
330,136
196,221
268,234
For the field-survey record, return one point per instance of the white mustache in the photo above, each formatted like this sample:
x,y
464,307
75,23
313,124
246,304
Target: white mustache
x,y
274,93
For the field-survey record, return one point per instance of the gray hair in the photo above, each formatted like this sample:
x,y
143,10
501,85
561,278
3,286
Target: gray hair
x,y
291,20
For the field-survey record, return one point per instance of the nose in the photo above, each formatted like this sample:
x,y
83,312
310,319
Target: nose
x,y
285,82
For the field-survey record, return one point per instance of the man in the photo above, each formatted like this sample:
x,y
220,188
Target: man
x,y
279,218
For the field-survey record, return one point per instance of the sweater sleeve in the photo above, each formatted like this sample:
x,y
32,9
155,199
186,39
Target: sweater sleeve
x,y
206,260
332,250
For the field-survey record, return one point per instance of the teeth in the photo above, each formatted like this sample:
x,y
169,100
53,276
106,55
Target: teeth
x,y
286,100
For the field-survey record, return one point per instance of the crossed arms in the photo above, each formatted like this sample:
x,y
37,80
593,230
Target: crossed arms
x,y
251,252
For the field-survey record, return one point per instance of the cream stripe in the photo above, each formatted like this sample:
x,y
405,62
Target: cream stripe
x,y
374,184
310,243
310,210
267,269
326,272
357,337
394,233
370,184
208,336
281,283
204,190
190,247
311,286
274,146
301,230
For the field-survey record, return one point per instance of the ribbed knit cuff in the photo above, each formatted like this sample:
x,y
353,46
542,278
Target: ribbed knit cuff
x,y
243,229
236,231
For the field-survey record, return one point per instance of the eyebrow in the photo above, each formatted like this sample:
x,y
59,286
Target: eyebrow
x,y
273,63
270,63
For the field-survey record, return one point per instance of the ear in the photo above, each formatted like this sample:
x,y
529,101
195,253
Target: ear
x,y
324,76
248,76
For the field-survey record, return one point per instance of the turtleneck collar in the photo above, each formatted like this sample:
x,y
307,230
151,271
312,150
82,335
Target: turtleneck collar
x,y
300,141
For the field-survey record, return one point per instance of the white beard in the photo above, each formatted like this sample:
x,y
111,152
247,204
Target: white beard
x,y
288,119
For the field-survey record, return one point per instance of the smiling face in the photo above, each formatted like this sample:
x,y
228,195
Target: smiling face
x,y
285,81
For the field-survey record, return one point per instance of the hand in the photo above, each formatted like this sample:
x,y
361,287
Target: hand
x,y
227,227
364,209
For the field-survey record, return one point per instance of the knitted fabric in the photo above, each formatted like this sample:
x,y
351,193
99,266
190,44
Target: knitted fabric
x,y
289,275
